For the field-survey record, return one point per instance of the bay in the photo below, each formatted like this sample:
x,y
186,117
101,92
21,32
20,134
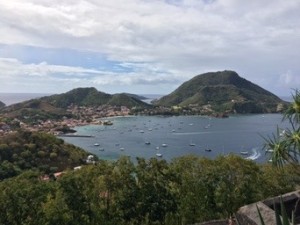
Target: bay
x,y
179,135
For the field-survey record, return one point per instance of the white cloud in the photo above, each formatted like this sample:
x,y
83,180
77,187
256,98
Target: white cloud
x,y
19,76
182,38
288,79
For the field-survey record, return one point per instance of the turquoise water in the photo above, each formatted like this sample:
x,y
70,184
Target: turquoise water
x,y
183,135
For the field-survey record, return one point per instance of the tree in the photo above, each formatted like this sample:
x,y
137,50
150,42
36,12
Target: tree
x,y
285,145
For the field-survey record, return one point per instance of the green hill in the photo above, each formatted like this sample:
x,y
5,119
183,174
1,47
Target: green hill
x,y
223,91
54,106
25,150
140,97
92,97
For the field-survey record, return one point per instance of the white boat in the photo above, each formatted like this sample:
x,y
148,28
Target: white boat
x,y
282,133
147,143
207,126
96,144
121,149
192,143
244,152
158,154
164,145
157,148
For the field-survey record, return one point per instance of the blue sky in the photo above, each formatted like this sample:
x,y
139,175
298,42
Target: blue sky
x,y
143,46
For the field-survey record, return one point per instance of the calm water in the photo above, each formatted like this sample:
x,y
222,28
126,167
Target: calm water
x,y
127,136
12,98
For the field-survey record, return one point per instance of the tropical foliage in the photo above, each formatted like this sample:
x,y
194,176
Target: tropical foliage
x,y
24,150
285,143
184,191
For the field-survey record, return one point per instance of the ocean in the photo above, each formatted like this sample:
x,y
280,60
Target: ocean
x,y
12,98
180,135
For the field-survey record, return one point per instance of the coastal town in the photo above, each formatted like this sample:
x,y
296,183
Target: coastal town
x,y
84,115
80,116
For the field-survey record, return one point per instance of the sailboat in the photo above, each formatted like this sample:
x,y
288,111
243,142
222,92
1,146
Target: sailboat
x,y
207,149
208,125
158,154
243,152
192,143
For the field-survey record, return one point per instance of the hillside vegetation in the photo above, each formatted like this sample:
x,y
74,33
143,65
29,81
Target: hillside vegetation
x,y
224,91
185,191
55,106
92,97
24,150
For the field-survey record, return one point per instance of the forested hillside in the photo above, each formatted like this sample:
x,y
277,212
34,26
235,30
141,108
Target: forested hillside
x,y
223,91
184,191
46,153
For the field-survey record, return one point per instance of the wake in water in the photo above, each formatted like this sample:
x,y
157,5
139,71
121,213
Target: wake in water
x,y
255,154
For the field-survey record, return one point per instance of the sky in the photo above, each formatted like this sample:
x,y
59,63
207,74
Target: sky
x,y
146,46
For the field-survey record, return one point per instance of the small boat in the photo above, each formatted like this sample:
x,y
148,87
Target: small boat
x,y
207,149
157,148
101,149
270,150
121,149
173,130
164,145
158,154
244,152
142,131
96,144
282,133
147,143
192,143
207,126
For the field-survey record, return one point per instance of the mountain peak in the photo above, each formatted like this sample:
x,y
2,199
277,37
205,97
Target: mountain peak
x,y
224,91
